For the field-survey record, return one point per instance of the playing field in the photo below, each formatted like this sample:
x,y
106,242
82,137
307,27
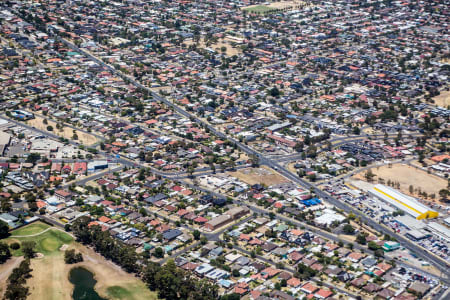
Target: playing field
x,y
50,276
259,9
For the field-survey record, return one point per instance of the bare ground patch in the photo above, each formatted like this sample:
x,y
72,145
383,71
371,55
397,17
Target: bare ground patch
x,y
230,51
65,132
260,175
443,100
408,176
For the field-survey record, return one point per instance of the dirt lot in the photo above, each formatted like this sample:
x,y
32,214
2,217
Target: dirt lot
x,y
274,5
65,132
260,175
286,4
229,52
406,176
443,100
161,88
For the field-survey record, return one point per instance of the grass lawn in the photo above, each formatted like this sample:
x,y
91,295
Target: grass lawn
x,y
33,228
259,9
135,292
47,243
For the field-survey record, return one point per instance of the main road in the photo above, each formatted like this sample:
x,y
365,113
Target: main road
x,y
419,251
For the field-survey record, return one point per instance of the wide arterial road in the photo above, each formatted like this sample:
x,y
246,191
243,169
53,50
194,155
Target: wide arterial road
x,y
419,251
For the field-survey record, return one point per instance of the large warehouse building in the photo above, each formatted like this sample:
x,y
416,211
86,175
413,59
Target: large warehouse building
x,y
403,202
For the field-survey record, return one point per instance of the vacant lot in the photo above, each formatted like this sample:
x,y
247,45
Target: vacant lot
x,y
406,176
65,132
260,175
230,51
262,9
443,100
50,276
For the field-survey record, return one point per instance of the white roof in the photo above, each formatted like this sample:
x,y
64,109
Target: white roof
x,y
440,230
399,200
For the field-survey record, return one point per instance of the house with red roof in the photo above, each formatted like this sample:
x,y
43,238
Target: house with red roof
x,y
63,195
323,294
66,169
79,168
200,220
294,282
309,288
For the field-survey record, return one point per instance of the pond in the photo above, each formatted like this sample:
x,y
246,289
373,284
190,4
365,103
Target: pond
x,y
84,283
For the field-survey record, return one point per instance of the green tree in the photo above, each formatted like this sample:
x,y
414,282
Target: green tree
x,y
72,257
33,157
28,249
16,289
196,234
373,246
379,253
4,229
5,254
233,296
158,252
348,229
236,273
361,239
274,92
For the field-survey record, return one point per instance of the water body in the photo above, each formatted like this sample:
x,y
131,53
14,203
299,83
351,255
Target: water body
x,y
84,283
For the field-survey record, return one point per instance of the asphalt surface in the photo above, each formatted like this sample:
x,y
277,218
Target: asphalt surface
x,y
420,252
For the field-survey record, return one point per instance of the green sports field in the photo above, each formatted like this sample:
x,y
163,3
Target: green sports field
x,y
259,9
48,239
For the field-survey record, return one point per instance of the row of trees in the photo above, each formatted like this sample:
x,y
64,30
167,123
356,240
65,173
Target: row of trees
x,y
174,283
170,281
5,254
102,242
16,289
72,257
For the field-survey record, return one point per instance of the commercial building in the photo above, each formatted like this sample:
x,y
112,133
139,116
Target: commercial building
x,y
403,202
218,222
391,246
232,214
237,212
440,230
7,218
97,165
